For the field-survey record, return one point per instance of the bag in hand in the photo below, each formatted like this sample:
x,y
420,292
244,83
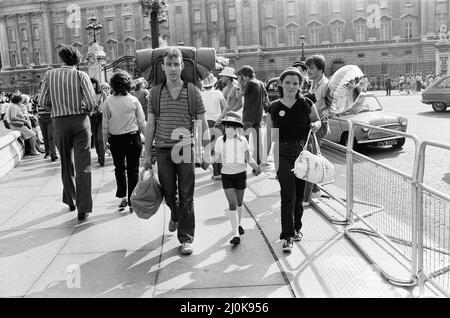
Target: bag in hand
x,y
147,195
313,168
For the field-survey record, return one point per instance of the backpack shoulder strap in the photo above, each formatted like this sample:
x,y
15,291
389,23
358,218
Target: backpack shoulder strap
x,y
156,97
192,100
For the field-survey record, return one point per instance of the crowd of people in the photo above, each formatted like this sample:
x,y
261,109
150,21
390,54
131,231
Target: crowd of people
x,y
409,83
76,113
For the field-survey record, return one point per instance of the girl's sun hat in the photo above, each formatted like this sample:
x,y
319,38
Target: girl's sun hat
x,y
232,119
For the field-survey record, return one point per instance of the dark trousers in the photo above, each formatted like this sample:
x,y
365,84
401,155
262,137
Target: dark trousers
x,y
73,139
388,90
46,125
292,190
178,177
126,150
217,167
256,137
97,136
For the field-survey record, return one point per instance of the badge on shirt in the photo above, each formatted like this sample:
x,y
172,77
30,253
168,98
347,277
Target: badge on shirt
x,y
282,113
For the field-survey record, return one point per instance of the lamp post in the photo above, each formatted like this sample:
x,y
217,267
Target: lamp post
x,y
157,10
93,26
302,43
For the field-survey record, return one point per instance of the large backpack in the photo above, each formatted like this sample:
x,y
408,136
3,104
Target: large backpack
x,y
198,63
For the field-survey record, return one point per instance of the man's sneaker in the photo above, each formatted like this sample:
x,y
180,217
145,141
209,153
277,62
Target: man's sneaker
x,y
123,204
173,226
186,248
298,236
288,244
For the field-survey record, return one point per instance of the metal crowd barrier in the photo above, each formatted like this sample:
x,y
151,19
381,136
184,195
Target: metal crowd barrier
x,y
407,218
433,229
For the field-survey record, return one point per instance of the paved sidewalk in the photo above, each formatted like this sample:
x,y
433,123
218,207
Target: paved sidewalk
x,y
46,252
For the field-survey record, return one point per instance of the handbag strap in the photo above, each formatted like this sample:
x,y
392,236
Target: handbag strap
x,y
313,134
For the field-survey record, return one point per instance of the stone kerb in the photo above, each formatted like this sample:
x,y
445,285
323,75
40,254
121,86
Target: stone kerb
x,y
11,151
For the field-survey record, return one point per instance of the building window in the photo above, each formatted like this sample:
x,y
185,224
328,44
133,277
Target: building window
x,y
37,57
232,13
408,30
76,31
360,30
292,38
59,31
360,4
128,27
12,58
36,35
12,35
23,32
233,42
270,39
146,23
214,17
25,57
178,9
337,33
291,8
112,53
313,6
385,33
269,9
129,48
110,26
314,35
408,3
197,16
215,42
336,5
383,3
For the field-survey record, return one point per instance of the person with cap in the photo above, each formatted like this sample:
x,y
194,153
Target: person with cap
x,y
141,93
232,151
214,104
230,91
292,117
306,83
72,98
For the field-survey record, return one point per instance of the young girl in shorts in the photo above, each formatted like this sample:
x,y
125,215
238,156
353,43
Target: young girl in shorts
x,y
232,151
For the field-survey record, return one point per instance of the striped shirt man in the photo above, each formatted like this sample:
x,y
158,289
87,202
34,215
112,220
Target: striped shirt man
x,y
174,124
71,92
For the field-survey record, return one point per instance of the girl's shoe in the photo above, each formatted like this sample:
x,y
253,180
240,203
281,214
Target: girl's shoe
x,y
235,240
123,204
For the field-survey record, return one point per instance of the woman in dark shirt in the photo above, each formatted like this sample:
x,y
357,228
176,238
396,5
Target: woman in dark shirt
x,y
292,116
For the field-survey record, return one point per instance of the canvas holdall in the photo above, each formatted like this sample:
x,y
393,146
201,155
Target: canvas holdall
x,y
313,168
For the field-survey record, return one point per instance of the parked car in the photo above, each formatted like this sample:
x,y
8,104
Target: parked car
x,y
438,94
272,89
368,110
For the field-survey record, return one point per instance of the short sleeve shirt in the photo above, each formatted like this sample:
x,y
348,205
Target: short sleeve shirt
x,y
232,154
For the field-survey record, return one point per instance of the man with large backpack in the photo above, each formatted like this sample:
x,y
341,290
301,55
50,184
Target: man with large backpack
x,y
173,110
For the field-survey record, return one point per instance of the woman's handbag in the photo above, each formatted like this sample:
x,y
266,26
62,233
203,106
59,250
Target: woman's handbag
x,y
313,168
147,195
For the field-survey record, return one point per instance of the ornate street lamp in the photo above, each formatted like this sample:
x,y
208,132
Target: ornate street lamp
x,y
302,43
93,26
157,10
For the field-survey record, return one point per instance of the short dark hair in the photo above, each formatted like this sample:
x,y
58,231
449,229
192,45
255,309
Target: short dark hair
x,y
173,52
246,70
316,60
70,55
121,83
16,98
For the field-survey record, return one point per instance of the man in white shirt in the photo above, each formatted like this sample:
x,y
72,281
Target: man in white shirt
x,y
315,68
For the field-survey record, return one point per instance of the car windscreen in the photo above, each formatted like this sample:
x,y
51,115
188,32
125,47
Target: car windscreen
x,y
366,104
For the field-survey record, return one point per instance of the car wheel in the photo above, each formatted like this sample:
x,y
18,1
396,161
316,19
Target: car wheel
x,y
344,141
439,107
400,143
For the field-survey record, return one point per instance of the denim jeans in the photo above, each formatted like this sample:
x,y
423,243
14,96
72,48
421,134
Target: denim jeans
x,y
178,178
126,147
292,190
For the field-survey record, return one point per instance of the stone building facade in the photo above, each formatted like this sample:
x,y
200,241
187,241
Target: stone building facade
x,y
381,36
